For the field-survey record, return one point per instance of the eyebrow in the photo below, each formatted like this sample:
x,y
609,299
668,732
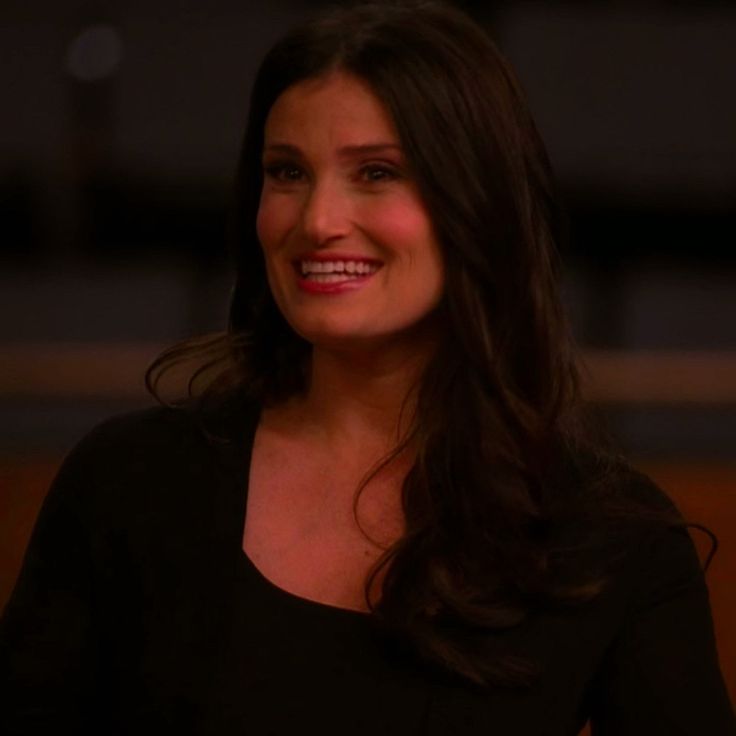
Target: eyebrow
x,y
345,151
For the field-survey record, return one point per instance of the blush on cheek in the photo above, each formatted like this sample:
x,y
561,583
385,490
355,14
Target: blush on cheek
x,y
401,224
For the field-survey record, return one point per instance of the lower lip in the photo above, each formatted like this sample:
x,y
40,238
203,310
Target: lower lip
x,y
337,287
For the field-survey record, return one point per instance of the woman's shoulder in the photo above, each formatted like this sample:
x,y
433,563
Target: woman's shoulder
x,y
601,505
128,438
158,431
631,525
153,459
607,485
658,662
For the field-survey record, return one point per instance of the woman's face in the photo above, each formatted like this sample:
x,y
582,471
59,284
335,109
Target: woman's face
x,y
349,247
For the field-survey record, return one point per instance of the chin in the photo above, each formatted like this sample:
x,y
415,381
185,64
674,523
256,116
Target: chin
x,y
341,340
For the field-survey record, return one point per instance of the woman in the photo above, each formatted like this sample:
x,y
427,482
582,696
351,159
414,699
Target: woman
x,y
379,516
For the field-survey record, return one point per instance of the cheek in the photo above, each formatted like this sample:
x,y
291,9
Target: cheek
x,y
271,228
274,219
404,228
265,224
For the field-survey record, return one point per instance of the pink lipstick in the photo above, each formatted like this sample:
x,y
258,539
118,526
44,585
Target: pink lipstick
x,y
334,273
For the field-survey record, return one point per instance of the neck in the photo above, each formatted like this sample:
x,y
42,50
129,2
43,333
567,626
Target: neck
x,y
364,398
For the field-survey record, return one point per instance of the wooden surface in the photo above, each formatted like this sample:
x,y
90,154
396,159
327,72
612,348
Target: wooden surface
x,y
622,377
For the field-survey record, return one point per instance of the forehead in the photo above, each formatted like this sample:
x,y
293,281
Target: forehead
x,y
338,109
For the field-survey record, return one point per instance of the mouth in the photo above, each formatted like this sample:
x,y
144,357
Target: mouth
x,y
335,270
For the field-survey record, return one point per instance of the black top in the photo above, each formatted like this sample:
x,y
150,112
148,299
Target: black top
x,y
137,611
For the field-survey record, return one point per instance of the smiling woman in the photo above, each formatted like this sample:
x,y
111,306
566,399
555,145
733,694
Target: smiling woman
x,y
381,513
349,245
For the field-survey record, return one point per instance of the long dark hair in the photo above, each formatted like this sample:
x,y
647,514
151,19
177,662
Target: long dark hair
x,y
497,404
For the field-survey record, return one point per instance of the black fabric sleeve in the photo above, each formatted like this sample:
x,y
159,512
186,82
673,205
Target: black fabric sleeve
x,y
47,636
662,676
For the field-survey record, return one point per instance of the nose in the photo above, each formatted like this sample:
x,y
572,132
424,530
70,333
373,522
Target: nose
x,y
326,213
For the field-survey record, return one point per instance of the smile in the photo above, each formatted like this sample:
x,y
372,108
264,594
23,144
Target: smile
x,y
334,276
336,270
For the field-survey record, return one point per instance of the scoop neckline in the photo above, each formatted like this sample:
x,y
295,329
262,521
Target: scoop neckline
x,y
299,599
244,446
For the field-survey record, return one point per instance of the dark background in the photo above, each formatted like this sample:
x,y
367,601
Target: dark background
x,y
120,129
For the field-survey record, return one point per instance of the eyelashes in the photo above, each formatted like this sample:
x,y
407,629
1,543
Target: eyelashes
x,y
369,173
379,173
283,172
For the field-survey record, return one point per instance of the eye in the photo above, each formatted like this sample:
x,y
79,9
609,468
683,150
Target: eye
x,y
283,172
378,173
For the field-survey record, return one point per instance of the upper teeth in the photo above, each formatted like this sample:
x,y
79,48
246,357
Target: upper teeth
x,y
337,267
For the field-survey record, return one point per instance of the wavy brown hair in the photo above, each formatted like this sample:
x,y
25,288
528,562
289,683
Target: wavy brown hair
x,y
497,404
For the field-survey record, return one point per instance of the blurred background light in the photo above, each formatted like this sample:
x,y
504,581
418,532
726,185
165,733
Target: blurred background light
x,y
95,53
